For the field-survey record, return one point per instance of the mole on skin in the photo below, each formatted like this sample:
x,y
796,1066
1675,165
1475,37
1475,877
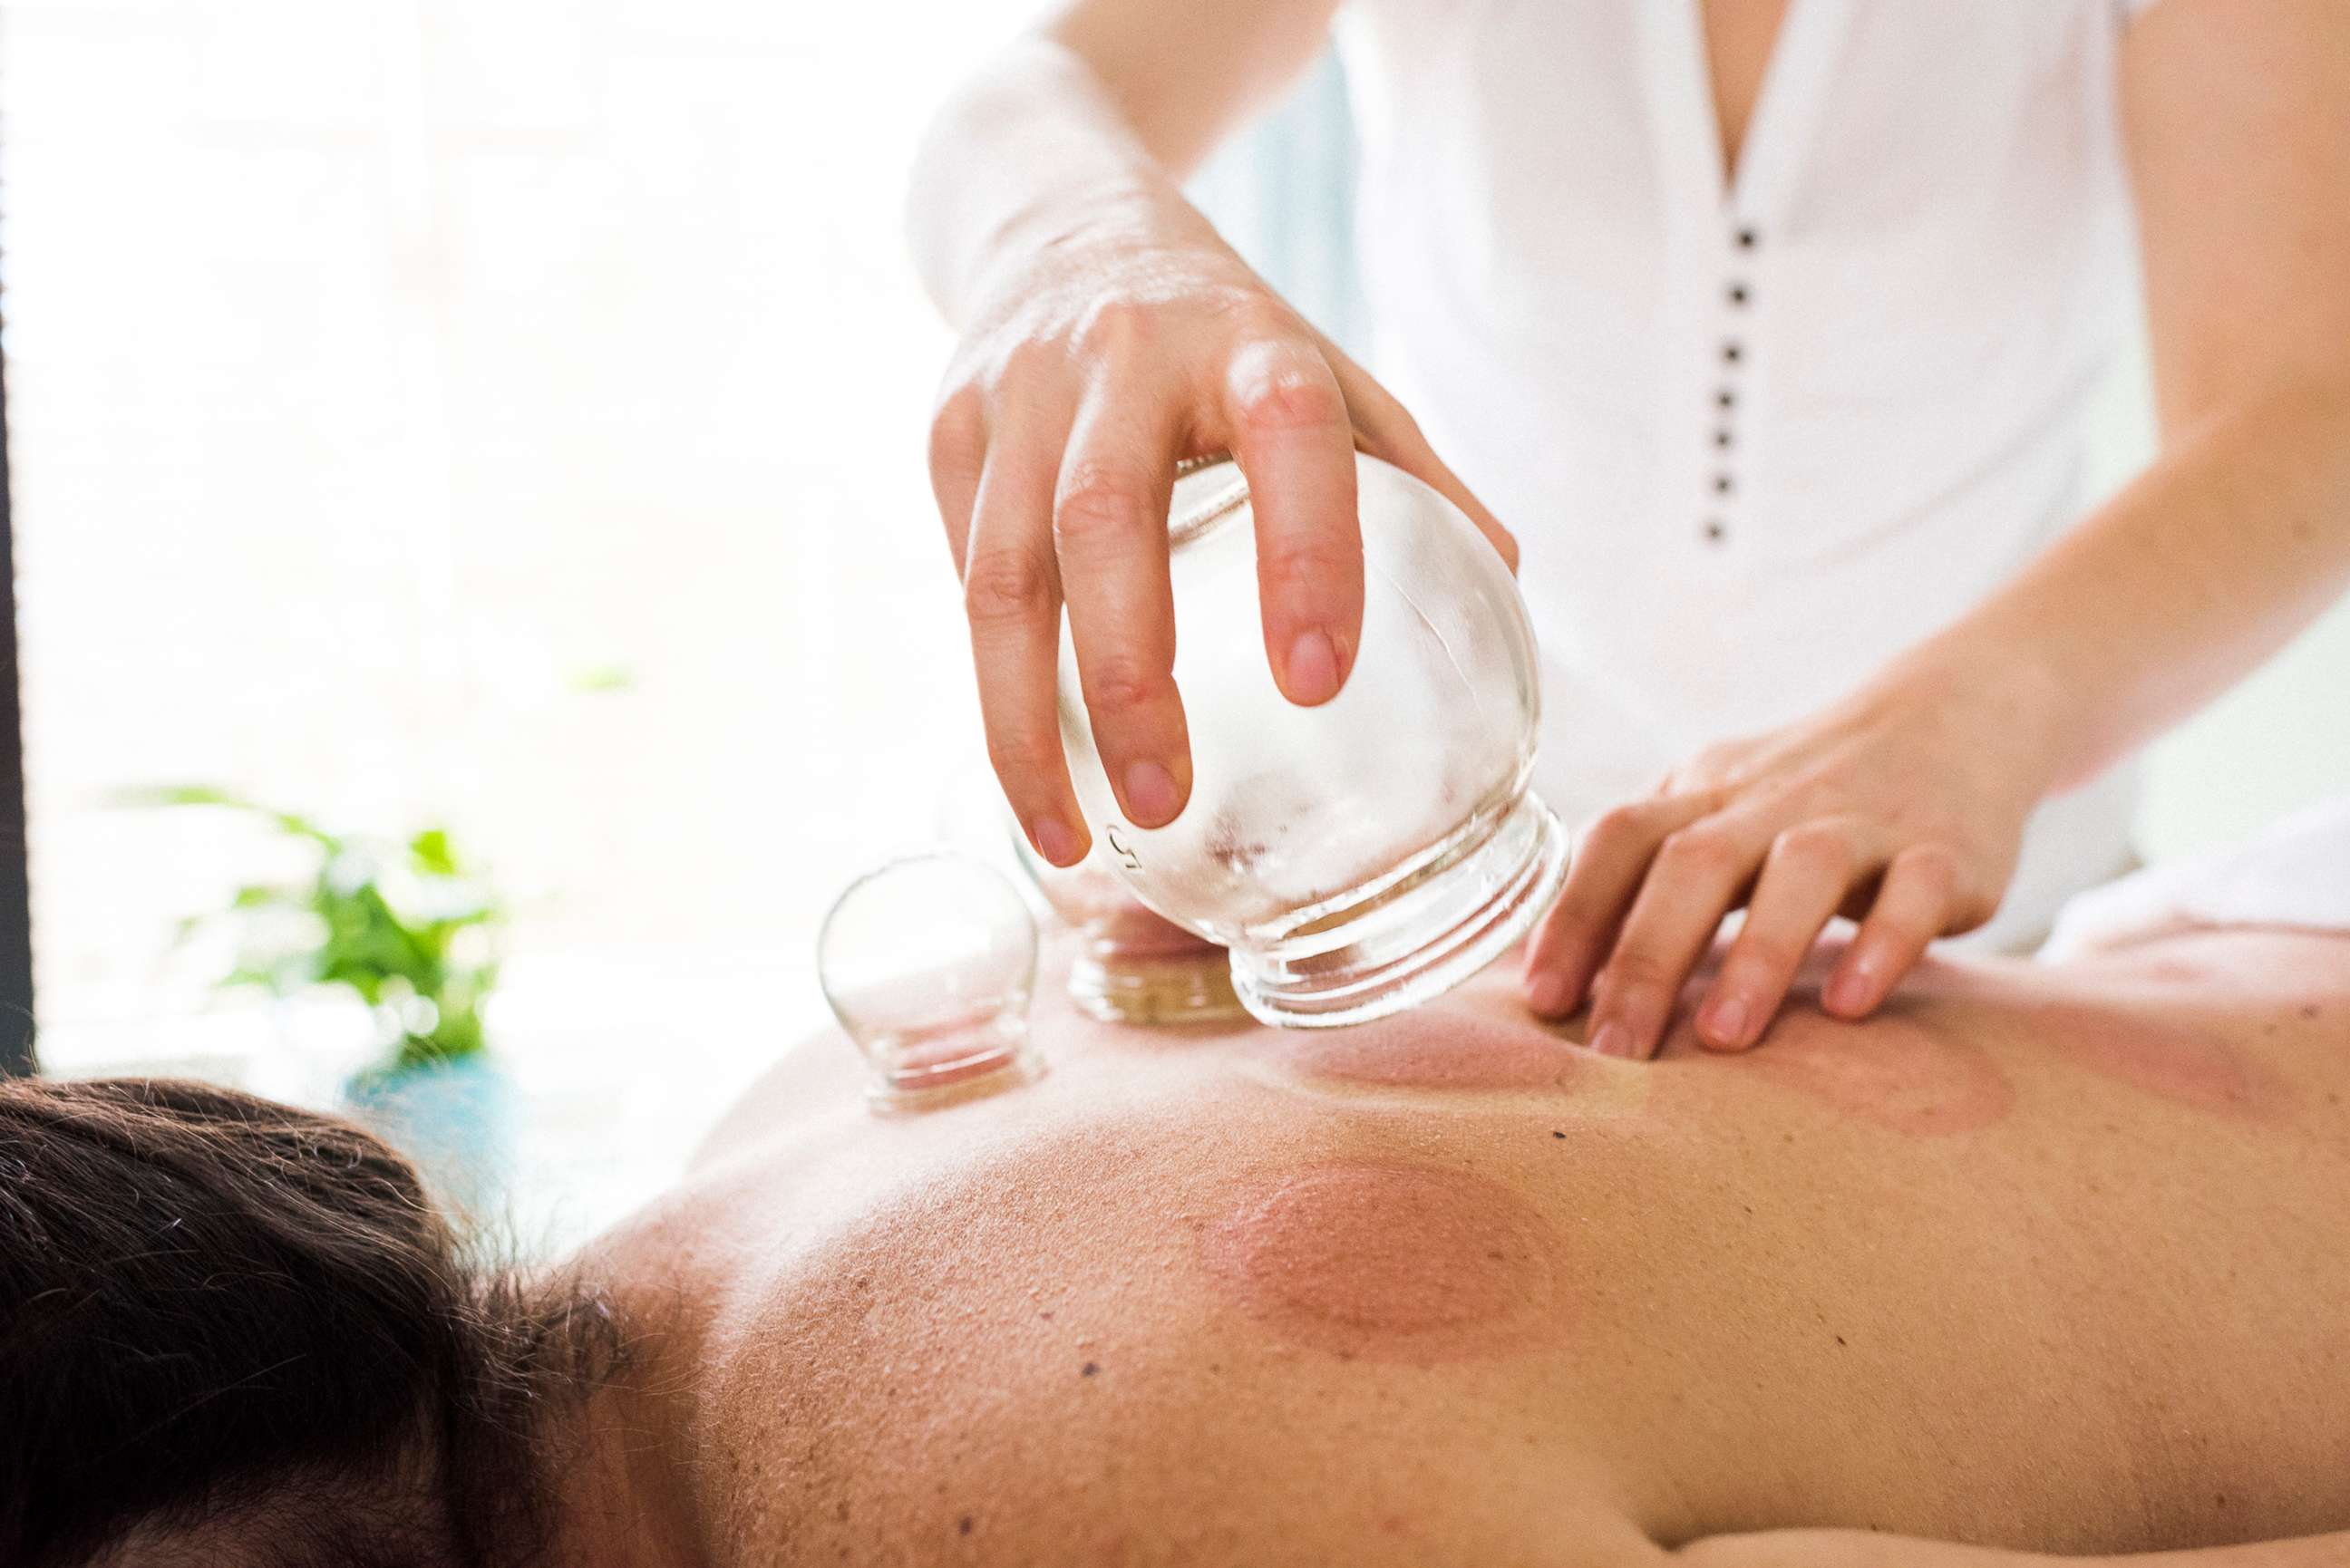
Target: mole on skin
x,y
1458,1049
1385,1261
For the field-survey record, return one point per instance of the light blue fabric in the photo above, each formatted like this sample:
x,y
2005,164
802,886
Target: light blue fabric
x,y
456,1119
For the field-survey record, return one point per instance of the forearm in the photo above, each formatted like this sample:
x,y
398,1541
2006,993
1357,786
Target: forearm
x,y
2241,534
2179,586
1032,149
1093,126
1859,1549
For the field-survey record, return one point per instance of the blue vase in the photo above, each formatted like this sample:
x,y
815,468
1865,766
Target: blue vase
x,y
454,1118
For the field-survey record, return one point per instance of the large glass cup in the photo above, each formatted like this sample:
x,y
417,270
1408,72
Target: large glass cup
x,y
1360,856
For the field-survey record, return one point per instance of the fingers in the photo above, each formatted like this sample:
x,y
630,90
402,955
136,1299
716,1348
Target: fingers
x,y
1109,529
1918,902
1012,597
1289,428
1602,879
1696,878
1680,870
958,454
1810,870
1391,432
1035,517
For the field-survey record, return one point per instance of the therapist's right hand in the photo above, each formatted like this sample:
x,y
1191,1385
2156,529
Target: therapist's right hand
x,y
1093,365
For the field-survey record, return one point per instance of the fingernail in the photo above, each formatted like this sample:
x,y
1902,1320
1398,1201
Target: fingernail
x,y
1547,995
1850,987
1611,1039
1054,840
1313,669
1724,1021
1150,794
1848,991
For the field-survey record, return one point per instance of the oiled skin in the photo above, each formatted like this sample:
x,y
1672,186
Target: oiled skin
x,y
2046,1258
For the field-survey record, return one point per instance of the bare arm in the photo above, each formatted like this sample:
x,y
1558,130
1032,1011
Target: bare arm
x,y
2241,534
1107,333
1905,805
1112,107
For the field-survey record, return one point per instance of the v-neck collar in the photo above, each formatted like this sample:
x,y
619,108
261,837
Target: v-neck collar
x,y
1786,108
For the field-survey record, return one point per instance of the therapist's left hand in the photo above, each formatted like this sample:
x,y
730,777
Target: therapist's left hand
x,y
1902,806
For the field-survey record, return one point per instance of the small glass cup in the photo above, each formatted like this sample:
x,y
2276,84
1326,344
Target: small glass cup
x,y
928,962
1131,966
1360,856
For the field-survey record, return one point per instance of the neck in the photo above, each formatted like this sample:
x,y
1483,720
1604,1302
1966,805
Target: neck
x,y
623,1499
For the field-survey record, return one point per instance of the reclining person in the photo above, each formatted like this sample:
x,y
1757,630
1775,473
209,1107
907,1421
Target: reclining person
x,y
2047,1259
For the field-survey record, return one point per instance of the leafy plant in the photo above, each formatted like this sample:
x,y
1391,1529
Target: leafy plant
x,y
409,928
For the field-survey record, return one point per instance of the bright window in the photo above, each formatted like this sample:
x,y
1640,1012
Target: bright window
x,y
382,375
506,416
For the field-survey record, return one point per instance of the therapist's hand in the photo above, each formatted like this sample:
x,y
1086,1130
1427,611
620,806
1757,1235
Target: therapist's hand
x,y
1902,806
1094,363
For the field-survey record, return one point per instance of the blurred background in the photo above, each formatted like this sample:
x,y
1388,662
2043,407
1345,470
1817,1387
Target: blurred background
x,y
505,422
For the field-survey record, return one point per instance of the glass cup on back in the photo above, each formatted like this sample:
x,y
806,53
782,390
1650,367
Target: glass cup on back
x,y
1131,965
928,961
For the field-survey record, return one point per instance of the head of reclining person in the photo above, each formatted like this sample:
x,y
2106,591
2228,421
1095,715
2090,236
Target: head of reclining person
x,y
235,1333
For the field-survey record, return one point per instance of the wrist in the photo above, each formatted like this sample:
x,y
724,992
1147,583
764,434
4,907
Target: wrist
x,y
2005,697
1125,216
1030,149
1080,230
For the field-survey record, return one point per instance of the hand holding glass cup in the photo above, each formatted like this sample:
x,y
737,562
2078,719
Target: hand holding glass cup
x,y
1366,855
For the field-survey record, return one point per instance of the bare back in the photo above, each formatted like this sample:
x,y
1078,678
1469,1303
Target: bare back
x,y
2049,1258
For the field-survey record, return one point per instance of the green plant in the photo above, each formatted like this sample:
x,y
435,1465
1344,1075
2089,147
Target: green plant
x,y
408,927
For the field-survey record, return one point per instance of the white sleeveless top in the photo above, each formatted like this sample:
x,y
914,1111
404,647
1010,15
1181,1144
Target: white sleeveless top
x,y
1754,441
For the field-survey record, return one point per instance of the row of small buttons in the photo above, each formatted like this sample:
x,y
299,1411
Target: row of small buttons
x,y
1739,293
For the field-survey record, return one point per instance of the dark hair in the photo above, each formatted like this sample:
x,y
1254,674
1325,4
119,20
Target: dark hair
x,y
243,1328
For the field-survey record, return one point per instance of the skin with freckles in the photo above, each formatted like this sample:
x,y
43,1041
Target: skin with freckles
x,y
1477,1051
2012,1265
2190,1066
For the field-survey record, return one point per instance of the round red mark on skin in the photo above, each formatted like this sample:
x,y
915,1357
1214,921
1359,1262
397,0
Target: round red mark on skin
x,y
2165,1060
1385,1263
1892,1071
1434,1049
